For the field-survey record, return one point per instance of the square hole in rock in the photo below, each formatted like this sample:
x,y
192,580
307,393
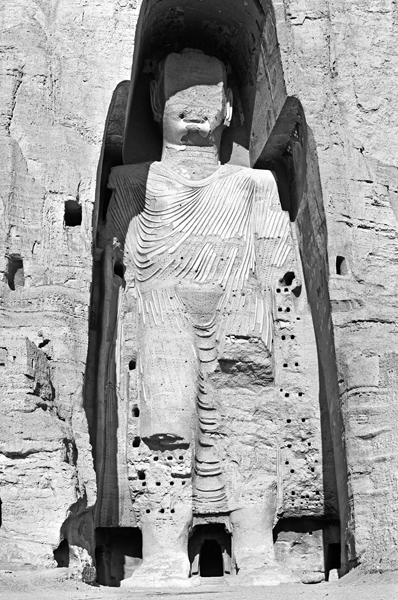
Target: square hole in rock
x,y
73,213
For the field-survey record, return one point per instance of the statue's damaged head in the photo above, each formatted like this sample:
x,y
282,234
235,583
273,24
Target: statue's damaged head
x,y
190,99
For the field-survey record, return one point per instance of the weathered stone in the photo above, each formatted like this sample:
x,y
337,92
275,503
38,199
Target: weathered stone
x,y
61,65
314,577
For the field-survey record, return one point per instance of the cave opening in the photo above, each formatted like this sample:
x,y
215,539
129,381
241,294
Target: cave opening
x,y
308,544
288,278
15,272
209,550
332,558
61,554
210,560
73,213
119,269
341,265
118,553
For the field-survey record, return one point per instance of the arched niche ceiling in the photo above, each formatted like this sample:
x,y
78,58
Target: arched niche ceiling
x,y
241,33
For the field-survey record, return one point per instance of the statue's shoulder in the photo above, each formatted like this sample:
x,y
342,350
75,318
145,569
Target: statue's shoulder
x,y
257,176
135,175
127,183
262,183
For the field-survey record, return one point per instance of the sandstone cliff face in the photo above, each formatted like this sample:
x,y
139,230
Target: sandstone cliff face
x,y
59,67
61,63
340,59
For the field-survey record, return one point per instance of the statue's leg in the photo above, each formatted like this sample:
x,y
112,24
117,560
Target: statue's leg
x,y
168,370
250,409
165,544
168,373
253,543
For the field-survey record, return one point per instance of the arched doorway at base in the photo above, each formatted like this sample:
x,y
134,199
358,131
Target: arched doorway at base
x,y
210,551
211,559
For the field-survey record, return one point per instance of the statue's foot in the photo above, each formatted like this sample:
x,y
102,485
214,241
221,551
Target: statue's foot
x,y
270,574
161,571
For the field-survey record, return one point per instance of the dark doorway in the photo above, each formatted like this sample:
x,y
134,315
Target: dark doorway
x,y
73,213
118,553
304,542
209,550
333,561
61,554
341,265
15,272
211,562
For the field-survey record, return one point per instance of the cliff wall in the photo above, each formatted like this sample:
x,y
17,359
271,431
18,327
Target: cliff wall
x,y
61,62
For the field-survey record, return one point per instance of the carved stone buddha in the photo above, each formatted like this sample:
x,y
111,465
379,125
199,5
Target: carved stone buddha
x,y
203,246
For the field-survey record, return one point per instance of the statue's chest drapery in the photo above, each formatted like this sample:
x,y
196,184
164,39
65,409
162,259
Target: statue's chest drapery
x,y
204,248
193,232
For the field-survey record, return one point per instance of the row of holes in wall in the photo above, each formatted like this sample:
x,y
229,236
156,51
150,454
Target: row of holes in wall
x,y
341,269
285,337
287,280
162,510
312,469
158,483
155,458
287,462
287,394
293,493
290,445
137,442
141,476
287,309
296,291
307,501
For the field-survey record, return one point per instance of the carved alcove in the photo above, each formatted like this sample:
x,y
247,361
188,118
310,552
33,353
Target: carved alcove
x,y
268,131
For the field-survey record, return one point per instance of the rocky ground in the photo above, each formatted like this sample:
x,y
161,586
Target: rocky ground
x,y
20,585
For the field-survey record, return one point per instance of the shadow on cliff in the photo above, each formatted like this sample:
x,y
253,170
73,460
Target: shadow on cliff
x,y
103,429
310,221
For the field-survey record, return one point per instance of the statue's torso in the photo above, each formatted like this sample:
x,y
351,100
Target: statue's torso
x,y
192,234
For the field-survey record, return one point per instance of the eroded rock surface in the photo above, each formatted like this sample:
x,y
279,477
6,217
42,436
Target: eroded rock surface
x,y
51,130
61,63
341,61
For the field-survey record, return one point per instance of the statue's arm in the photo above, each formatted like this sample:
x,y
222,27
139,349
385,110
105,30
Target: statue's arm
x,y
272,231
128,184
128,193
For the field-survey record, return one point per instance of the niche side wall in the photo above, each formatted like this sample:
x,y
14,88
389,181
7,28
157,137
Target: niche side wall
x,y
337,59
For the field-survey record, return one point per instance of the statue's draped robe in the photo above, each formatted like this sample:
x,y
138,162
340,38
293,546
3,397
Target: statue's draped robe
x,y
202,258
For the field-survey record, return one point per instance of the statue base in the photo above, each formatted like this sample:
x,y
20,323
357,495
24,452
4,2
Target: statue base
x,y
269,575
162,572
